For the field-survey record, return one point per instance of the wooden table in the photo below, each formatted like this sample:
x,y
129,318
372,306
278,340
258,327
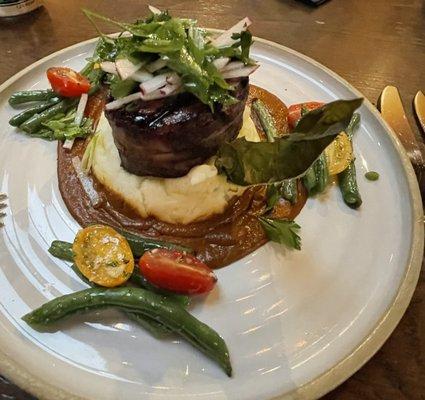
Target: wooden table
x,y
370,43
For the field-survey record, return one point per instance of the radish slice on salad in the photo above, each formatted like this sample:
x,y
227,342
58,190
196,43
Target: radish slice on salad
x,y
221,62
154,10
233,65
80,109
169,89
141,76
114,105
225,39
126,68
156,65
155,83
239,73
109,67
68,143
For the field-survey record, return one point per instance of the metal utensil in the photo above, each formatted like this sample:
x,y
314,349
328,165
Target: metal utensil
x,y
419,104
3,205
393,112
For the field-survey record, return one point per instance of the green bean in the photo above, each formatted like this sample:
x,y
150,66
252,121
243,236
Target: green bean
x,y
353,125
289,190
27,96
347,179
139,301
63,250
348,186
266,119
322,174
139,245
155,328
34,123
310,180
29,112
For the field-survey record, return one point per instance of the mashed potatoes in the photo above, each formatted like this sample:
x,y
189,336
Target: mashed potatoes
x,y
194,197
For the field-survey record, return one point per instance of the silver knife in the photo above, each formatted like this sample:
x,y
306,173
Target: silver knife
x,y
393,113
419,104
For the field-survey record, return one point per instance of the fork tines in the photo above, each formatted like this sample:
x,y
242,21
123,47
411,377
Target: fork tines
x,y
3,197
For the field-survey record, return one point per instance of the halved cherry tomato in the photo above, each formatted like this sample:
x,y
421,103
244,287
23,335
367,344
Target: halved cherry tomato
x,y
66,82
294,111
176,271
103,256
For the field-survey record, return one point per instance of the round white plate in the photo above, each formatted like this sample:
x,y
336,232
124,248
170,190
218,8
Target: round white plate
x,y
297,323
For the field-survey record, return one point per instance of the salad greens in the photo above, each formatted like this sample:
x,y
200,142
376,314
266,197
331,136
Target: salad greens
x,y
186,48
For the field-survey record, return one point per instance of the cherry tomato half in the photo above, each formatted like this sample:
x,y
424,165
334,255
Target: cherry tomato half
x,y
176,271
66,82
294,111
103,256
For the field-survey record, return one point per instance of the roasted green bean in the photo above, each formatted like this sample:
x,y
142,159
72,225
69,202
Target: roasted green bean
x,y
266,119
27,96
29,112
139,245
34,123
289,190
347,179
139,301
322,174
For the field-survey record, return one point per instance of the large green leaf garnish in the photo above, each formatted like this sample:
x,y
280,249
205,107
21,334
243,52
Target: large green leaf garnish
x,y
250,163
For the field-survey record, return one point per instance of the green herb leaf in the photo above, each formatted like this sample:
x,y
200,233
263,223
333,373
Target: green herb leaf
x,y
245,42
283,232
63,127
250,163
121,88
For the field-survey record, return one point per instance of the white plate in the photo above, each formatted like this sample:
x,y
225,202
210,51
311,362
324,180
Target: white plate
x,y
296,323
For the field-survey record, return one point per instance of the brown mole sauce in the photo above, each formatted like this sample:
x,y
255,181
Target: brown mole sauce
x,y
218,241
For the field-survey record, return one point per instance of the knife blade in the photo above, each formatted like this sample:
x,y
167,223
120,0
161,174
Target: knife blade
x,y
419,104
393,113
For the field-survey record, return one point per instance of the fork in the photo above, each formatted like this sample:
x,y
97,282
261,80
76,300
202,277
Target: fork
x,y
3,205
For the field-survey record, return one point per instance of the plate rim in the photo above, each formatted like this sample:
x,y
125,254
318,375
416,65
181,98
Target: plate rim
x,y
368,346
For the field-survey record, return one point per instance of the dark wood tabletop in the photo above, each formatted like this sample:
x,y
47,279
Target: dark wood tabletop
x,y
370,43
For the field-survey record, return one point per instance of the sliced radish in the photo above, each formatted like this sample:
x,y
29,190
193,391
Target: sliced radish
x,y
141,76
221,62
154,10
165,91
155,83
174,79
86,182
239,73
68,144
225,39
80,109
156,65
109,66
126,68
169,89
114,105
233,65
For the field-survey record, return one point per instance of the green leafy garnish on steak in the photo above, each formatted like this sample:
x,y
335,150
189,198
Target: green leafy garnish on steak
x,y
249,163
